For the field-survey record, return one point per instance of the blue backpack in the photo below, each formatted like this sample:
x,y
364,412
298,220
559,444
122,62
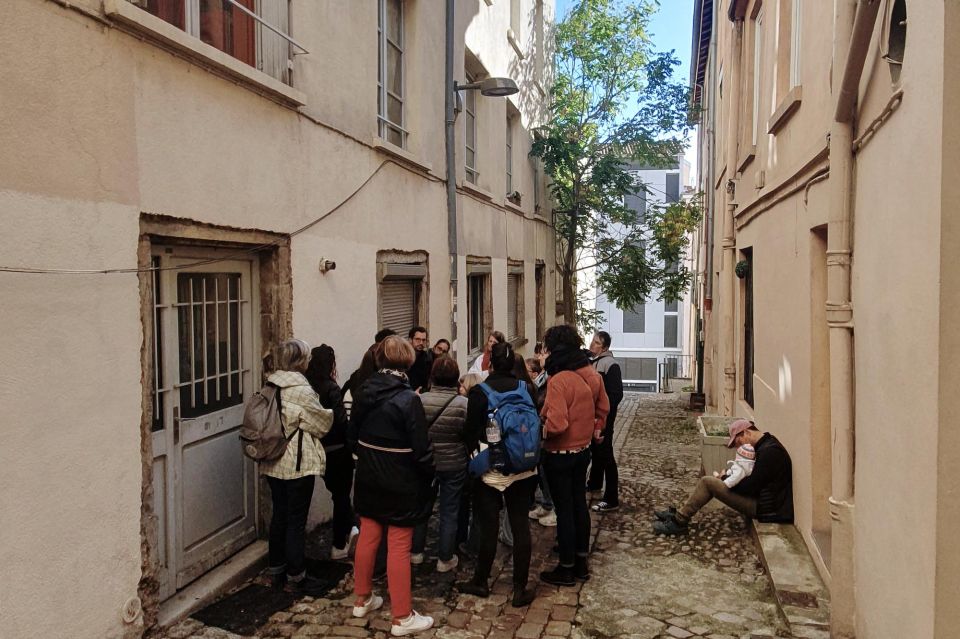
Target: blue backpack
x,y
519,426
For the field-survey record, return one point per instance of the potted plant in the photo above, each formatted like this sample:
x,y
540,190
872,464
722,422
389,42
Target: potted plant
x,y
714,433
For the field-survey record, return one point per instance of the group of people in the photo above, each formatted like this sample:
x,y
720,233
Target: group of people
x,y
400,436
406,430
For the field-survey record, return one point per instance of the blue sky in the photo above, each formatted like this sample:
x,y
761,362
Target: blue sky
x,y
670,29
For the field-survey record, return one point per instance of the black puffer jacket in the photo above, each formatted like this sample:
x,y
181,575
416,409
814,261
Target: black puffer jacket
x,y
388,433
446,428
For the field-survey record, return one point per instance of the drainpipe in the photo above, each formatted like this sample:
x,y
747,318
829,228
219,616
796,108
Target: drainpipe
x,y
450,139
729,242
853,28
707,388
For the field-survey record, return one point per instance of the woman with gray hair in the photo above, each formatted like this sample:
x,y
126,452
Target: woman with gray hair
x,y
292,476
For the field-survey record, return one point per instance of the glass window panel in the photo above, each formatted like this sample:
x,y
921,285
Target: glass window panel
x,y
234,323
394,110
395,137
197,341
223,337
394,77
171,11
670,307
670,331
394,20
234,287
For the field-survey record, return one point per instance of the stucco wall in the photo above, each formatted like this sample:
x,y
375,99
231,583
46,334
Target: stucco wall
x,y
100,126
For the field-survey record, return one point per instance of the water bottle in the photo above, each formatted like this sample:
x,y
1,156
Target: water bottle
x,y
497,459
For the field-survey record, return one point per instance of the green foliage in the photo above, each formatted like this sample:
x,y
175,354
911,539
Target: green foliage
x,y
614,101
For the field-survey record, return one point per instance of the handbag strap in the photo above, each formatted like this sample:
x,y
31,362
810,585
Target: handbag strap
x,y
440,414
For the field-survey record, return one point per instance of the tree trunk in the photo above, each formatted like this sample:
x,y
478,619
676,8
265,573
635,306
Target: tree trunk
x,y
569,297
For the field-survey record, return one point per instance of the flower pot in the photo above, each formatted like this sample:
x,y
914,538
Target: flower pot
x,y
714,433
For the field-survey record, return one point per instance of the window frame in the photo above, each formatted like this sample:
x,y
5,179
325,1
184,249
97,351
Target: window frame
x,y
515,324
470,172
757,73
386,126
263,58
509,150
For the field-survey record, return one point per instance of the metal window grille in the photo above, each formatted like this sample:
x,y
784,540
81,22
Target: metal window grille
x,y
470,122
391,115
159,392
209,315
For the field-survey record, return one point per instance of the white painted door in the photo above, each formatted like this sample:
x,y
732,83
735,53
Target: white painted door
x,y
204,488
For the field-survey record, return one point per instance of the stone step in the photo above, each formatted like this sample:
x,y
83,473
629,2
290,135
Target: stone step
x,y
800,593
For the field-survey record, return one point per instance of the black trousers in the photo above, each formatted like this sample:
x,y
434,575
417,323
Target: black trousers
x,y
486,512
603,466
339,481
567,475
291,504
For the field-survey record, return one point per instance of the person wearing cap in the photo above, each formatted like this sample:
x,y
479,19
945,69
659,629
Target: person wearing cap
x,y
765,495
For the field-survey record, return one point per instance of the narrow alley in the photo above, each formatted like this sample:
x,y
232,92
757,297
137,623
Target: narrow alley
x,y
644,586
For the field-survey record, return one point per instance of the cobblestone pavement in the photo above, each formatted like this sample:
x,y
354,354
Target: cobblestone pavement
x,y
644,586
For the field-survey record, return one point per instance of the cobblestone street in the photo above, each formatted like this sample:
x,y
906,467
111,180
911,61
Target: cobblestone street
x,y
709,583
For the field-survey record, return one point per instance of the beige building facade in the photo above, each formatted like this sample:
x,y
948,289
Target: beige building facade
x,y
182,186
828,160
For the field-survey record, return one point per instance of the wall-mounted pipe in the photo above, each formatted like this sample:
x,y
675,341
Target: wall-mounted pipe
x,y
863,23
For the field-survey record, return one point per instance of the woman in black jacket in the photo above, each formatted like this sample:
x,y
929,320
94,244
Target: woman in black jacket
x,y
394,482
322,375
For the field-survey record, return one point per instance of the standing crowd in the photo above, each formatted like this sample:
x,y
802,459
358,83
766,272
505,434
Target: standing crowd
x,y
509,441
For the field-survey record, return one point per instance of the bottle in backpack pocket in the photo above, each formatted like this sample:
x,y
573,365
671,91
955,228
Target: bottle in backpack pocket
x,y
498,460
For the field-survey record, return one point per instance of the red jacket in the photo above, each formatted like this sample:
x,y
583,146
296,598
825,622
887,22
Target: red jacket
x,y
575,406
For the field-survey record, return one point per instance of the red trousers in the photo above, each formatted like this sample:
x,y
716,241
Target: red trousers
x,y
399,541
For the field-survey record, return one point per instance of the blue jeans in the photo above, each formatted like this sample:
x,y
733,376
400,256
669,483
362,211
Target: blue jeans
x,y
567,475
448,511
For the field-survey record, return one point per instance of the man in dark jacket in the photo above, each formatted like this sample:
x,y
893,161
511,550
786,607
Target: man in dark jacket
x,y
766,494
603,464
419,373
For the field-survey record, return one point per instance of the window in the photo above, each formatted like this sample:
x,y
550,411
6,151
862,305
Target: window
x,y
786,37
539,43
479,308
640,368
539,275
470,124
515,301
510,188
229,26
748,328
795,49
673,188
634,320
670,324
390,87
757,55
637,202
402,292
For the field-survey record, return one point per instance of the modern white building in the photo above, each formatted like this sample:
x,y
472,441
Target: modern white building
x,y
651,338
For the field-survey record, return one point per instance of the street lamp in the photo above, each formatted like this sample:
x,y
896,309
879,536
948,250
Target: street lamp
x,y
490,87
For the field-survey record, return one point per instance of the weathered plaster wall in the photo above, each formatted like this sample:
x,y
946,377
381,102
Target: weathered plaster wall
x,y
100,126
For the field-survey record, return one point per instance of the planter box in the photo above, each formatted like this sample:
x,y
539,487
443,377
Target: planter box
x,y
713,442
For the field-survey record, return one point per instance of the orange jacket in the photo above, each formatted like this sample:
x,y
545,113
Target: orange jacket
x,y
575,406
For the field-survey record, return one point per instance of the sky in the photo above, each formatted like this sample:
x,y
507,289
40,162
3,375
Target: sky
x,y
670,29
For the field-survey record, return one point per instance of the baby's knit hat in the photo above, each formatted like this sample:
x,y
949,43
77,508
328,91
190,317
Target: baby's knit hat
x,y
746,451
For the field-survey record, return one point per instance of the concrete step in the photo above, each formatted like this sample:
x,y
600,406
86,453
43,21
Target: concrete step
x,y
800,593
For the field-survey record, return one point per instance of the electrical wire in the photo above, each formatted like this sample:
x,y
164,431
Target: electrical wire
x,y
232,256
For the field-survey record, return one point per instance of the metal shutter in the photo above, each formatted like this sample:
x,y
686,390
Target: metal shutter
x,y
513,292
398,305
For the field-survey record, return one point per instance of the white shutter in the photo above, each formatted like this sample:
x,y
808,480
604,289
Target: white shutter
x,y
274,50
398,305
513,293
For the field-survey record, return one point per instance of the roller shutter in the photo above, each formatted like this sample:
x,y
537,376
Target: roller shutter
x,y
398,305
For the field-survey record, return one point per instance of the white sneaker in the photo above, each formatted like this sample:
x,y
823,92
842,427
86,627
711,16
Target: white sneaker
x,y
336,554
447,566
414,623
416,558
538,512
549,520
373,603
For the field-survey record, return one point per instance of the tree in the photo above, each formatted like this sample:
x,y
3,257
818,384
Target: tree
x,y
614,101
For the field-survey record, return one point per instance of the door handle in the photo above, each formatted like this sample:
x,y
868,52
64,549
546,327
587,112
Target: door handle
x,y
176,425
